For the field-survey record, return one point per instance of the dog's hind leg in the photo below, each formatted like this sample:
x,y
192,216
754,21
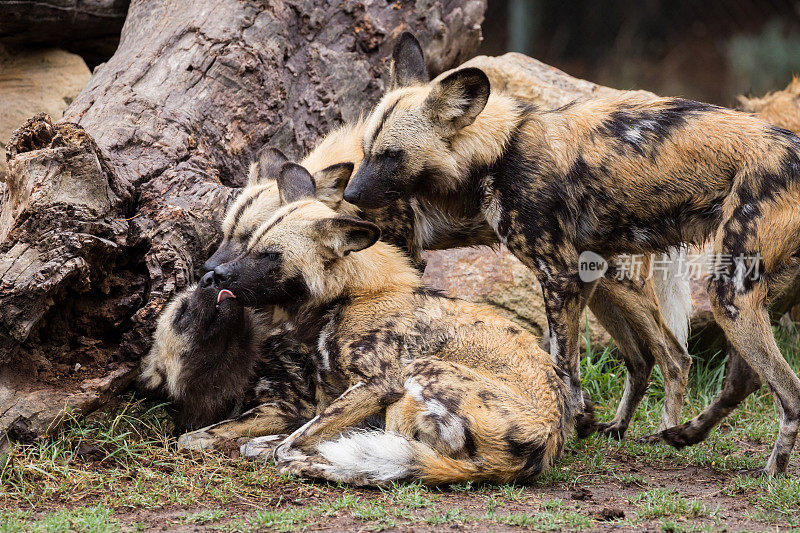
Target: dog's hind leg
x,y
637,302
757,249
740,382
746,323
636,355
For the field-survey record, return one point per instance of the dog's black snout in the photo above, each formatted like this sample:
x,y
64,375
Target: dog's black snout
x,y
207,280
221,275
352,196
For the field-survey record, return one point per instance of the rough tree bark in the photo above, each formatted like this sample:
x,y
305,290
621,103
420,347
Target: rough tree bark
x,y
89,28
108,212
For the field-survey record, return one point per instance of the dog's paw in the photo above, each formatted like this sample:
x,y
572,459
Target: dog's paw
x,y
612,430
198,440
585,421
307,467
261,447
677,436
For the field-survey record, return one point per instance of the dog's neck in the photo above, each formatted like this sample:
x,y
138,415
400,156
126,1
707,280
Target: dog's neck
x,y
483,143
477,148
376,270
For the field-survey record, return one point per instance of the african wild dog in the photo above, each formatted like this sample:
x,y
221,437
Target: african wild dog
x,y
628,308
331,163
213,358
781,108
414,226
466,394
628,174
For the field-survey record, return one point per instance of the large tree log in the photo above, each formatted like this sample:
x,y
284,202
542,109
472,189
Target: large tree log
x,y
89,28
109,212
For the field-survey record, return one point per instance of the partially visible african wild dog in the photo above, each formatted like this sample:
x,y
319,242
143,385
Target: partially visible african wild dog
x,y
467,395
212,358
781,108
625,174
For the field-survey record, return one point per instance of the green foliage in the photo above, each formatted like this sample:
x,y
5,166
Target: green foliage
x,y
764,61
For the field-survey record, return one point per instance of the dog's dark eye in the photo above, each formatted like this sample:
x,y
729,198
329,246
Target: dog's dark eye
x,y
272,256
392,153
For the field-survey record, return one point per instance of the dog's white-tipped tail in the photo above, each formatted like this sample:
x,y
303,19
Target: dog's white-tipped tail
x,y
675,294
379,457
368,457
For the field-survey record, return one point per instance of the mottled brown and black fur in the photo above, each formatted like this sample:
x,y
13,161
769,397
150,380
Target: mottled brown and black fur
x,y
782,109
617,175
467,395
213,361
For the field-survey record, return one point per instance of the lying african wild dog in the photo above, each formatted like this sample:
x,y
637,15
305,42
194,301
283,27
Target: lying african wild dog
x,y
629,174
331,163
625,309
212,358
467,394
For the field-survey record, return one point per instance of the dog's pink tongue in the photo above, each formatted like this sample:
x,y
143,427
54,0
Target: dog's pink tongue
x,y
223,295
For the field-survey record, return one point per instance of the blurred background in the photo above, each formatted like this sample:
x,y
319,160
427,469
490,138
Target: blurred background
x,y
709,50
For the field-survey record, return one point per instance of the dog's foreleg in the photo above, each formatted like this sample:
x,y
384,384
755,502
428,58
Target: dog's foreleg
x,y
357,403
565,299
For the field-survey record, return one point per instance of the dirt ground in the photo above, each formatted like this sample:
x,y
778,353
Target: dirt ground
x,y
628,495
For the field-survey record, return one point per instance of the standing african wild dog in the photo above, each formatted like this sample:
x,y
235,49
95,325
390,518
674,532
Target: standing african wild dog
x,y
624,308
212,358
467,394
629,174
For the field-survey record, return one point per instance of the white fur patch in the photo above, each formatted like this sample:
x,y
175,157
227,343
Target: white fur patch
x,y
375,455
675,295
493,213
543,267
738,274
415,389
555,353
263,386
451,429
325,356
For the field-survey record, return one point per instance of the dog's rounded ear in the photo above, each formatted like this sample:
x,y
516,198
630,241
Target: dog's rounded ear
x,y
267,166
343,235
457,100
331,182
295,183
408,63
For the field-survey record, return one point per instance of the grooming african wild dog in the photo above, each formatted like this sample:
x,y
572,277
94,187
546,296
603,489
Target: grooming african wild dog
x,y
212,358
629,174
467,394
624,308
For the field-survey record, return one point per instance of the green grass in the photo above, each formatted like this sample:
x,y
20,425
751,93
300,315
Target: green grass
x,y
94,472
95,519
660,503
